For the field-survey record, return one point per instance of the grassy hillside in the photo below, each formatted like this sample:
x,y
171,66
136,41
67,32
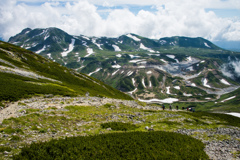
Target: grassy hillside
x,y
24,73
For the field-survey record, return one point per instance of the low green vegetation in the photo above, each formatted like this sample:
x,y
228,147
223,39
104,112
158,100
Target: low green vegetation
x,y
119,126
225,119
131,145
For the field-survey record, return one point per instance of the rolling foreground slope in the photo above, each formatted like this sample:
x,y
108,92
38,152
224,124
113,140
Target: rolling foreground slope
x,y
24,73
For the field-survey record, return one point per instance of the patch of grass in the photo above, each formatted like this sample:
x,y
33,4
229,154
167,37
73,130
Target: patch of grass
x,y
170,123
119,126
22,104
10,130
226,119
132,145
3,148
15,138
31,110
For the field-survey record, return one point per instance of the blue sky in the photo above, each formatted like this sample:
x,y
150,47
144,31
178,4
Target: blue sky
x,y
216,20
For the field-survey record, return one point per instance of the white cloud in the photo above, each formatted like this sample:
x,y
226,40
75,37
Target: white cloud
x,y
183,18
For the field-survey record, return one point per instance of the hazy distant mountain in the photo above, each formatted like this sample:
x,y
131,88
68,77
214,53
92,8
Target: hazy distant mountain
x,y
229,45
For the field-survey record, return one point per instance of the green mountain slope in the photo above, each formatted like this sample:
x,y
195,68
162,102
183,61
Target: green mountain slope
x,y
24,73
185,69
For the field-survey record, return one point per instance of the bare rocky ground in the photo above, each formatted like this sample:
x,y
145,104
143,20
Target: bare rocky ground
x,y
222,142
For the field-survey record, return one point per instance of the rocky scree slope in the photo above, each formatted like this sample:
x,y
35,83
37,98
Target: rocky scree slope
x,y
40,119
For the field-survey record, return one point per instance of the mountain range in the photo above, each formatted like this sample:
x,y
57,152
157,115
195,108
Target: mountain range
x,y
170,69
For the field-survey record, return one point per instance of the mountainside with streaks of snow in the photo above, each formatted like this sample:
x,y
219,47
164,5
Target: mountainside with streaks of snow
x,y
182,68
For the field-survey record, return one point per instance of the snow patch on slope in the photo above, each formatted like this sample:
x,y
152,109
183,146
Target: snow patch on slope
x,y
133,81
97,70
177,87
116,66
129,73
115,72
206,45
98,45
41,50
228,99
133,37
167,100
205,83
136,60
225,82
116,48
172,57
234,114
145,48
70,48
133,91
149,72
143,83
168,90
89,51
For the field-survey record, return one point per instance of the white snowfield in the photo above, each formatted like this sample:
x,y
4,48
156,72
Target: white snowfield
x,y
149,72
163,60
187,95
97,70
116,66
225,82
136,60
133,56
119,55
41,50
205,83
70,48
98,45
133,91
228,99
143,83
177,87
85,38
49,55
190,68
145,48
129,73
133,81
206,45
115,72
193,85
155,54
234,114
133,37
167,100
89,51
189,58
141,66
46,37
168,90
172,57
116,48
150,84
